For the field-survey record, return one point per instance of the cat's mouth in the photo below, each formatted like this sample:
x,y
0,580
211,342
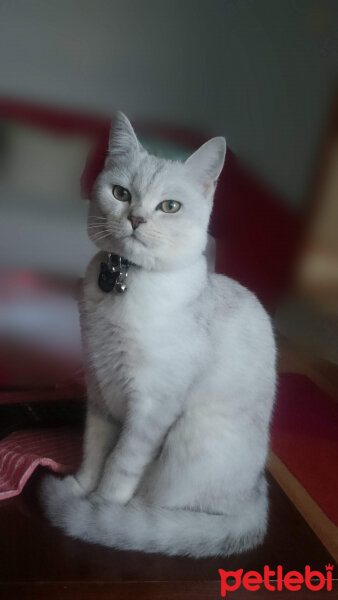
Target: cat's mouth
x,y
134,236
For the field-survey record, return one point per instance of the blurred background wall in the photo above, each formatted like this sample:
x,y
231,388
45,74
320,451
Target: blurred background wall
x,y
258,71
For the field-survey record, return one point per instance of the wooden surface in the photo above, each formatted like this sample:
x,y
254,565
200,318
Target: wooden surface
x,y
38,561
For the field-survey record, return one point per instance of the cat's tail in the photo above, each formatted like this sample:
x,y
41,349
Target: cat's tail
x,y
137,526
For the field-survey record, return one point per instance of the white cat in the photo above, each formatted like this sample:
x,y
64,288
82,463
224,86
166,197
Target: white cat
x,y
180,371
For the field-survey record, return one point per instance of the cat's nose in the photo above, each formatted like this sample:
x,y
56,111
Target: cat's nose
x,y
135,221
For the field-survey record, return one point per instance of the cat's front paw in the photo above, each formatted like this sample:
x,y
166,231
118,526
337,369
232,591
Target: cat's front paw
x,y
61,489
120,495
63,500
119,490
96,499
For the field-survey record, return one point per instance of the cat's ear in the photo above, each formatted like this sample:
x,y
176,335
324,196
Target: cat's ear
x,y
207,162
122,137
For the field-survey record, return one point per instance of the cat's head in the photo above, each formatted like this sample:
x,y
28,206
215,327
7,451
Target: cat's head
x,y
152,211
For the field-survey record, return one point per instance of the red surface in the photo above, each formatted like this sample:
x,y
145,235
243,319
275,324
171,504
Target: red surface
x,y
304,435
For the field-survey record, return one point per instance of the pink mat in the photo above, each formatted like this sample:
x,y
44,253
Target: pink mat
x,y
23,451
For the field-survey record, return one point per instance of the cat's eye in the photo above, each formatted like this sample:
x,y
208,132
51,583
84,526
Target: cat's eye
x,y
120,193
169,206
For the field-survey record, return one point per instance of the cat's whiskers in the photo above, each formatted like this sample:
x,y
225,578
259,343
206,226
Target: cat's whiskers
x,y
155,235
101,235
95,226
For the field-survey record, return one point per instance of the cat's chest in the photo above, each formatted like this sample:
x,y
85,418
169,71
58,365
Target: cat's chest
x,y
124,338
137,320
130,320
114,336
146,339
114,352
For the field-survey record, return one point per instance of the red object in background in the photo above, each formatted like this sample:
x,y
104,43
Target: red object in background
x,y
257,234
29,370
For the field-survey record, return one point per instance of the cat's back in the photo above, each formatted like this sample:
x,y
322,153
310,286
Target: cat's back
x,y
232,310
229,298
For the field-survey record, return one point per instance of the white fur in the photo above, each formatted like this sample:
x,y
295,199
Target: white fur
x,y
180,373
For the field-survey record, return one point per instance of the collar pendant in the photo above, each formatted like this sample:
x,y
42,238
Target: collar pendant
x,y
113,274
